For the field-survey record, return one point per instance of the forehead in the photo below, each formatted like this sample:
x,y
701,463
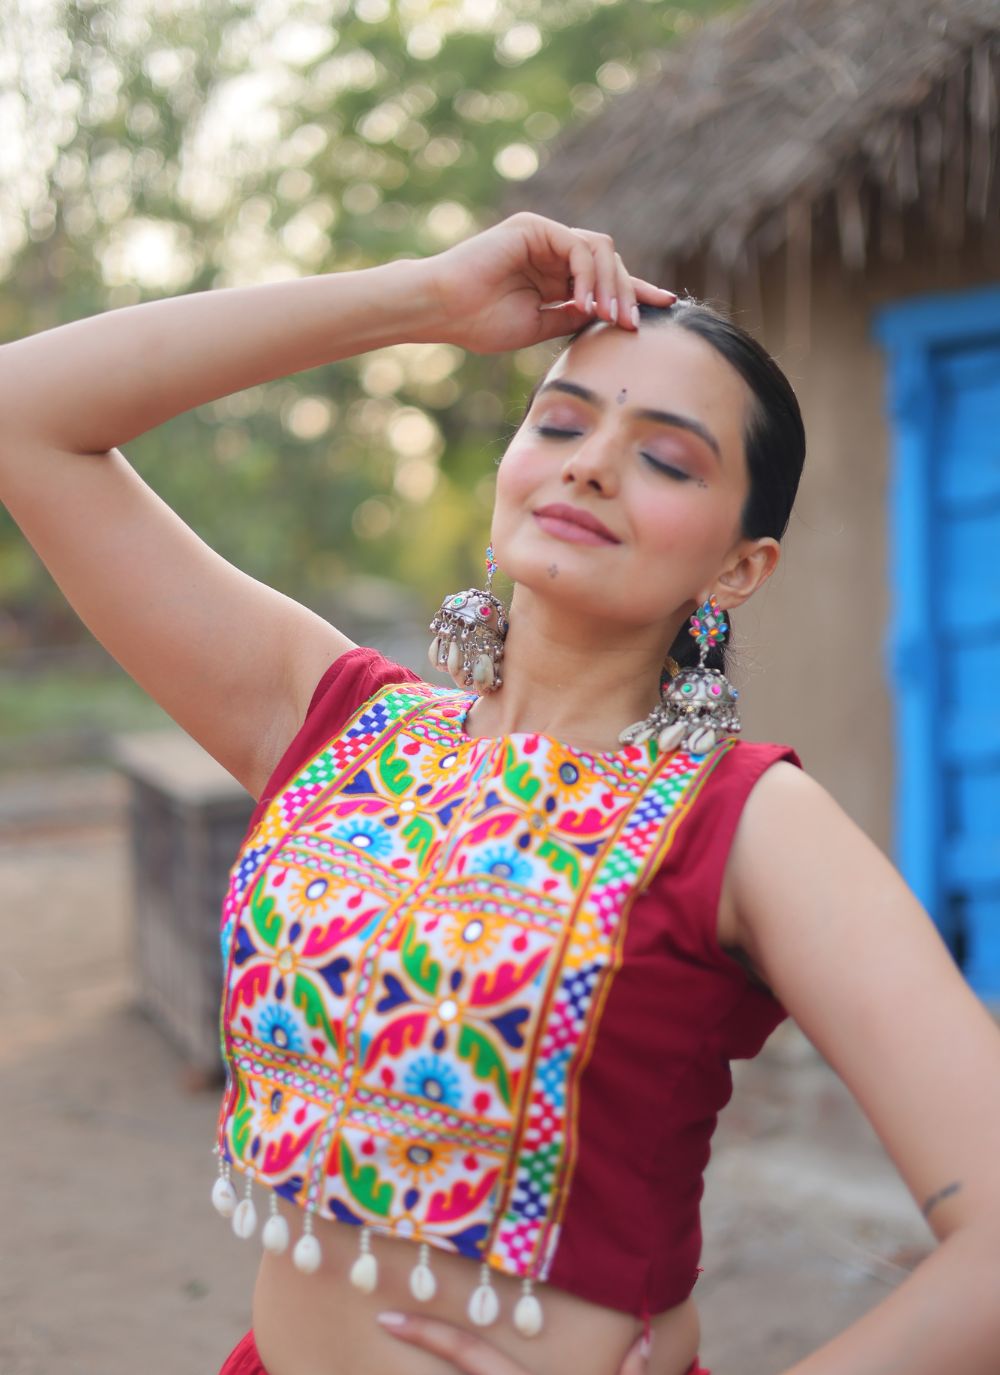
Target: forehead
x,y
662,367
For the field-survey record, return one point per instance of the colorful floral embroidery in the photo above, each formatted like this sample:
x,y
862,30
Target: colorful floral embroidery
x,y
433,1078
470,939
502,861
419,938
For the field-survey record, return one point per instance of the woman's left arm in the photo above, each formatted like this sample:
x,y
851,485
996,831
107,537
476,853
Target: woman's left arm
x,y
860,967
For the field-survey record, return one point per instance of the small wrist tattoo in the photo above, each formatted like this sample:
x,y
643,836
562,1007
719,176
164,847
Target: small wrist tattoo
x,y
941,1194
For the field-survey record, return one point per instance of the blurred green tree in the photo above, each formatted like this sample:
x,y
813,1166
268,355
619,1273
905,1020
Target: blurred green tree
x,y
164,147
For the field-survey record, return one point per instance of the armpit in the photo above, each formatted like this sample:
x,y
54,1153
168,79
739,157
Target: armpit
x,y
736,953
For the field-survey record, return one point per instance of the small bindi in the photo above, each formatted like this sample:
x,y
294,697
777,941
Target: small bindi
x,y
620,398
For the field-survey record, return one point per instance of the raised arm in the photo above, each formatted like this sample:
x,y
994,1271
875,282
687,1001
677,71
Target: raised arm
x,y
229,658
232,660
86,387
858,964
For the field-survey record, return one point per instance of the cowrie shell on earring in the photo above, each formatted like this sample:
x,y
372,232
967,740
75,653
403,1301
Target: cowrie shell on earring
x,y
671,736
482,673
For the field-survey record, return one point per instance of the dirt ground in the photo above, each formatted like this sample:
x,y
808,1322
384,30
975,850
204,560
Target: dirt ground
x,y
112,1259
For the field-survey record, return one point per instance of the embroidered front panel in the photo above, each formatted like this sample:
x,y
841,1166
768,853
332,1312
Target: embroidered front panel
x,y
419,937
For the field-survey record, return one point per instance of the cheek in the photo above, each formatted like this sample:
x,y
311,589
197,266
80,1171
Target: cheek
x,y
518,472
685,532
517,479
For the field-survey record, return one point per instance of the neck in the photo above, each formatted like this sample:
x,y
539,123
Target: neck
x,y
566,676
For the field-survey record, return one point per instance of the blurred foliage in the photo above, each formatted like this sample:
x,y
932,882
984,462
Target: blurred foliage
x,y
73,699
158,146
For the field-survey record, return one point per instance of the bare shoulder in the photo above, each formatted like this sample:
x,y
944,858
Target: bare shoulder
x,y
791,832
778,793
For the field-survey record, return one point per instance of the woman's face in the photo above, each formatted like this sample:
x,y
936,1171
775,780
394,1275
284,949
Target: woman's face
x,y
645,433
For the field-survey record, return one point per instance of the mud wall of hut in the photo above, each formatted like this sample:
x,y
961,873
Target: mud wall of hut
x,y
811,659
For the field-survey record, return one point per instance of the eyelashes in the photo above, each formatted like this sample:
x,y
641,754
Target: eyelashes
x,y
675,473
553,432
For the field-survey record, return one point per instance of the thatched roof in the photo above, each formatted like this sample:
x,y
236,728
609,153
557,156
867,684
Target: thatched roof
x,y
789,114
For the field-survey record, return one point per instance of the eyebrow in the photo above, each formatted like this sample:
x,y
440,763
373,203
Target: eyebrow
x,y
680,422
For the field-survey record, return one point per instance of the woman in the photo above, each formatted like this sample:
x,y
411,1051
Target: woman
x,y
657,438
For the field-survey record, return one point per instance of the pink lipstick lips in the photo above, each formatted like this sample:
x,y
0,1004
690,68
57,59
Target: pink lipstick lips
x,y
573,524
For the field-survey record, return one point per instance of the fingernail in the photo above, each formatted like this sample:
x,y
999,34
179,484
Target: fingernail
x,y
613,312
390,1319
635,316
591,304
667,292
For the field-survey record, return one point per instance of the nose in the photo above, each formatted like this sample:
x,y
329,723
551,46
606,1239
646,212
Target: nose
x,y
594,464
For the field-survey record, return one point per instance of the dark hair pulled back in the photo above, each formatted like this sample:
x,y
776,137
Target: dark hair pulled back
x,y
774,441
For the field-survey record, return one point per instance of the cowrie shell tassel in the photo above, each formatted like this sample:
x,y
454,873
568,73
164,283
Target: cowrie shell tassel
x,y
484,1306
528,1312
223,1194
423,1285
245,1216
307,1254
454,658
275,1234
482,671
434,651
702,741
637,733
364,1271
671,736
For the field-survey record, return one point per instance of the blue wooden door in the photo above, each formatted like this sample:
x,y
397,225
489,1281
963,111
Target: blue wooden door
x,y
944,660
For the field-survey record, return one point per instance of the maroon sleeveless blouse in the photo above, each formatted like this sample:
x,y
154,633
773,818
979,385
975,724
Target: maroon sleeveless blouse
x,y
679,1010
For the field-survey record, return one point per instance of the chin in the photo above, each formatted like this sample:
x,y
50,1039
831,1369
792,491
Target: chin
x,y
574,587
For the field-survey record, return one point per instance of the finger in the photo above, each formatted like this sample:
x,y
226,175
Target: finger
x,y
565,317
606,287
465,1350
555,250
581,266
636,1360
654,295
628,310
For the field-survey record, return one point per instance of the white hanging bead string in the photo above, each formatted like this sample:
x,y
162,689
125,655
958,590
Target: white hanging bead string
x,y
275,1236
484,1303
423,1285
484,1306
245,1216
223,1194
307,1254
528,1312
364,1271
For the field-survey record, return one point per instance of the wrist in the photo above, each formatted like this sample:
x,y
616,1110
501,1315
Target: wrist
x,y
415,312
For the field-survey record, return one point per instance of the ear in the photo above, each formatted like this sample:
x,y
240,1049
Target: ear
x,y
755,561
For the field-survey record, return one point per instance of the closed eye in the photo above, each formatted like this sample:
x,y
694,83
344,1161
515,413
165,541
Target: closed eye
x,y
667,468
554,432
551,432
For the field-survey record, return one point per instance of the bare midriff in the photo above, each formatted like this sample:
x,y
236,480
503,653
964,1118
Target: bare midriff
x,y
319,1324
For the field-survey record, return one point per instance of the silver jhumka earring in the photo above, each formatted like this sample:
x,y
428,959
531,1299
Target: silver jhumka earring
x,y
469,631
697,706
